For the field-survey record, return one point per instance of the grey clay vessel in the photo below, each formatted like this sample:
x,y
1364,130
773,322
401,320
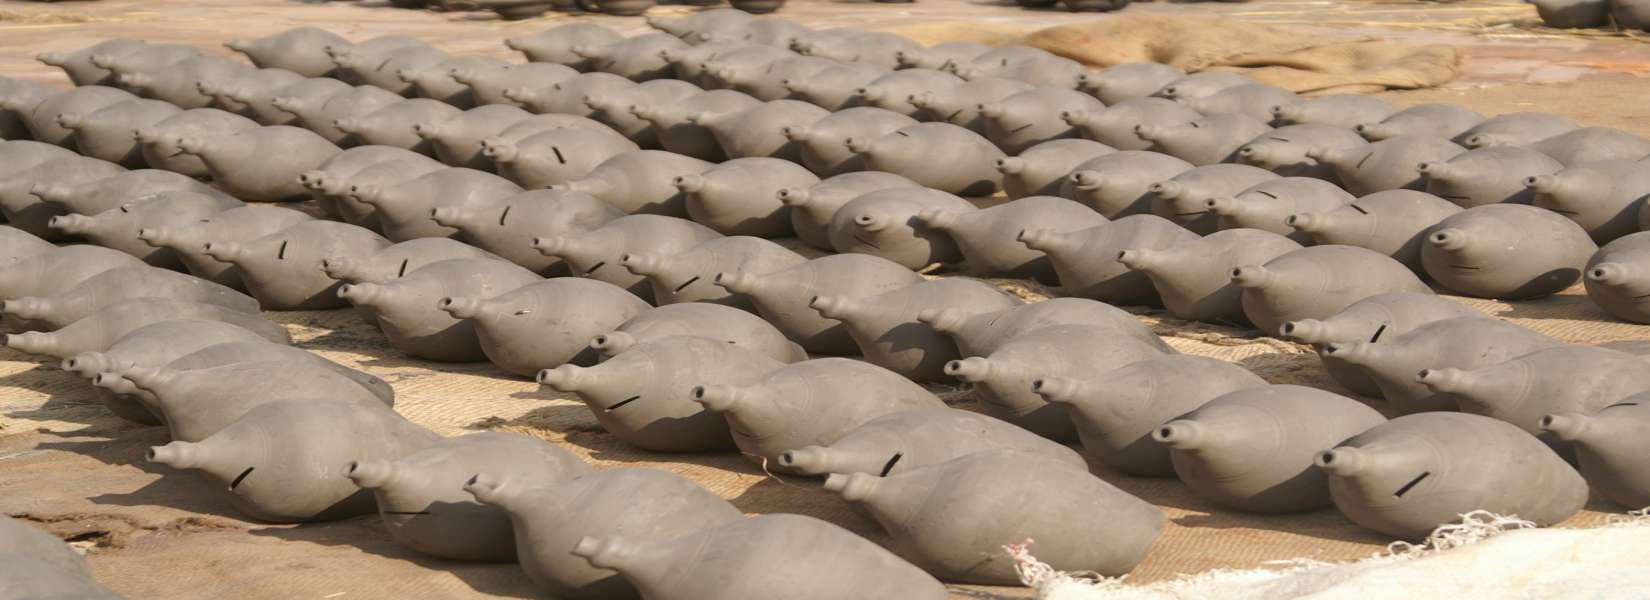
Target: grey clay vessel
x,y
407,308
886,329
1041,169
712,321
1433,119
690,276
821,144
115,285
980,334
152,345
1268,205
988,240
57,270
507,227
1394,222
397,260
283,269
885,224
1615,280
812,207
1073,256
197,403
554,156
912,439
1118,184
1284,150
1032,117
937,155
546,324
1609,448
404,206
1115,124
1453,343
1561,379
1210,140
1184,198
1339,110
279,154
960,104
301,50
1378,317
1127,81
781,297
641,182
1487,175
597,253
1606,198
740,196
96,332
246,222
1316,282
1515,129
121,227
1506,251
1388,164
1194,279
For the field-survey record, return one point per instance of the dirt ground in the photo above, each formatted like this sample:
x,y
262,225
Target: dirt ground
x,y
154,533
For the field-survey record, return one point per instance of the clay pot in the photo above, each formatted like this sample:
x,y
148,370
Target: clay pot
x,y
1184,198
306,96
408,308
1605,198
886,329
1116,124
281,461
57,270
884,224
1535,253
16,244
616,108
710,321
768,82
157,143
779,33
25,211
781,297
1592,144
1253,449
1515,129
245,222
1316,282
488,82
834,88
965,494
567,96
1487,175
320,114
688,276
785,409
1206,141
1433,119
106,133
555,156
911,439
1613,278
508,226
404,210
988,238
283,269
1284,150
940,56
152,345
549,520
640,181
1028,118
398,260
381,65
424,505
959,104
1370,320
636,58
1194,279
643,395
119,228
23,95
821,147
197,403
1201,84
1408,476
301,50
99,330
78,64
392,124
1388,164
179,82
812,207
366,167
249,93
1118,184
547,324
1453,343
39,113
1254,100
893,91
597,253
436,81
555,45
1338,110
758,131
1115,412
1035,66
1607,446
675,134
119,189
1561,379
1107,281
1268,205
980,334
942,156
871,47
280,154
740,197
115,285
1128,81
1394,222
1042,169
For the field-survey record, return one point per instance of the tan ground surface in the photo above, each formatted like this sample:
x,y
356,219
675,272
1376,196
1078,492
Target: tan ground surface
x,y
152,533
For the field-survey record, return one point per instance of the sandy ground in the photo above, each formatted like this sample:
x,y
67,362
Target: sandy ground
x,y
154,533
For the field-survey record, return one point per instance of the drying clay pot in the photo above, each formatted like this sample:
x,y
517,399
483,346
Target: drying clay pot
x,y
980,334
282,461
179,82
1385,165
640,181
404,209
283,269
676,134
1206,141
1194,279
78,64
615,109
1254,100
157,143
740,197
1032,65
721,67
1284,150
1370,320
1433,120
488,82
1487,175
546,324
1253,449
1408,476
947,516
1115,125
301,50
364,167
940,56
1561,379
280,154
884,224
97,331
508,226
1609,448
1394,222
249,351
1003,379
597,253
1128,81
810,403
710,321
304,96
23,95
119,228
250,93
1337,110
1605,198
392,124
382,67
567,96
555,156
1201,84
812,207
422,500
689,63
1118,184
1115,412
25,211
643,395
246,222
1072,255
821,146
40,114
1614,280
894,91
870,47
834,88
16,244
397,260
408,308
1591,144
1316,282
555,45
758,131
779,33
988,239
636,58
688,276
321,113
766,556
1453,343
115,285
1268,205
886,329
1515,129
768,81
436,81
118,189
145,58
899,442
782,296
197,403
1184,198
18,156
548,520
106,133
155,345
58,270
1506,251
1028,118
959,104
1040,170
942,156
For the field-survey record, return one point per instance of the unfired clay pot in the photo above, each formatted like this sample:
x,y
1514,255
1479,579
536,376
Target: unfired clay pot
x,y
407,308
1194,279
1506,251
712,321
1107,281
1394,222
1616,281
597,253
920,437
1459,343
1118,184
283,269
1608,447
988,240
782,297
886,329
1316,282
